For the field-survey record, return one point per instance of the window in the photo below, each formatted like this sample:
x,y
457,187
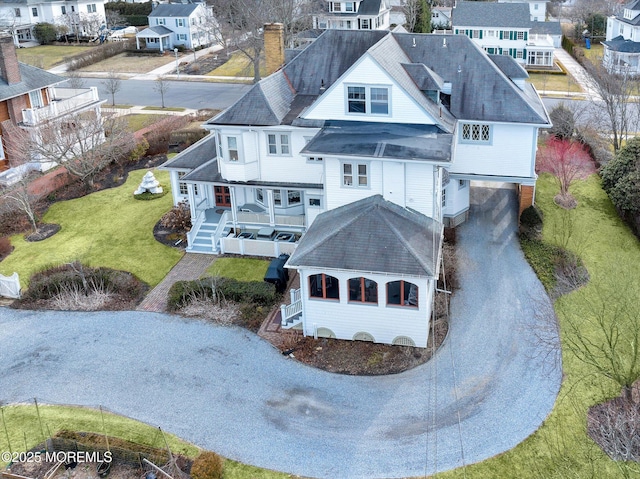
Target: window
x,y
315,159
348,7
35,98
293,198
277,198
182,36
63,10
444,197
232,148
323,286
179,22
91,8
520,35
402,293
462,184
160,21
535,6
355,175
506,35
260,195
335,7
519,54
73,9
279,143
34,11
18,14
182,186
365,24
315,202
505,51
363,290
368,100
193,21
475,33
490,33
476,132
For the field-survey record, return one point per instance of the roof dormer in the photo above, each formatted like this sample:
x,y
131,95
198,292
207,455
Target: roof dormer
x,y
632,10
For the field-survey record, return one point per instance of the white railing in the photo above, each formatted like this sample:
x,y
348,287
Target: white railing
x,y
10,286
195,226
251,247
288,311
217,234
263,219
63,101
296,295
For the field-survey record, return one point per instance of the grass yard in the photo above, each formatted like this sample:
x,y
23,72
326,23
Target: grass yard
x,y
107,228
126,63
46,56
595,53
242,269
138,121
238,66
22,420
556,83
561,447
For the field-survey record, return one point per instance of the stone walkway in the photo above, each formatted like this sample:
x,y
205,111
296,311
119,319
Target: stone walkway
x,y
190,267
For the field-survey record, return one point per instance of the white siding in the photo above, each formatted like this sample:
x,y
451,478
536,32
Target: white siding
x,y
508,154
457,197
383,322
419,189
393,182
293,168
333,104
337,195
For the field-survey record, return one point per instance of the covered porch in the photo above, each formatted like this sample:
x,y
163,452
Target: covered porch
x,y
156,38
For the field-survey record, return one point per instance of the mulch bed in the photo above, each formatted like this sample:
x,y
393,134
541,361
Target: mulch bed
x,y
208,63
169,237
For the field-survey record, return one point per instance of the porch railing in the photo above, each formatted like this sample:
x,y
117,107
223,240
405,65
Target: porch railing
x,y
217,234
242,246
289,311
64,100
263,219
195,226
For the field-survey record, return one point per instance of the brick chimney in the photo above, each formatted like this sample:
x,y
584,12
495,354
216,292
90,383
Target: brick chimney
x,y
9,68
274,46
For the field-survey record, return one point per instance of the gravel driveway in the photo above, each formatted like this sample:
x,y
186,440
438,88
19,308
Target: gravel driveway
x,y
488,388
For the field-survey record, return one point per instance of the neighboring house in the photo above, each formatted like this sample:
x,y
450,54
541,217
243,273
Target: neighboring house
x,y
354,15
363,146
622,46
537,8
506,29
30,97
441,18
81,17
172,24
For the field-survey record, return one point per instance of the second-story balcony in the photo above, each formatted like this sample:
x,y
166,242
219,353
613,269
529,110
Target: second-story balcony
x,y
63,101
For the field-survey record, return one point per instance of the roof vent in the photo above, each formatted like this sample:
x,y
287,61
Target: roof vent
x,y
414,42
322,87
444,42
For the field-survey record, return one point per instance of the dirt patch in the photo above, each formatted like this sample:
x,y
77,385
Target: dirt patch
x,y
208,63
566,201
45,230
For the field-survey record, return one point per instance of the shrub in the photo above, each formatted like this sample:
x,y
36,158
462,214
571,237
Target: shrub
x,y
564,122
96,54
139,150
178,218
621,178
45,33
5,247
160,136
208,465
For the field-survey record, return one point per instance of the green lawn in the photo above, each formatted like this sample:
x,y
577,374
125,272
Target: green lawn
x,y
242,269
159,108
46,56
238,65
138,121
22,420
561,447
559,83
107,228
595,53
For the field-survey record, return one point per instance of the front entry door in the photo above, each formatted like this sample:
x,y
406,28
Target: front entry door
x,y
223,197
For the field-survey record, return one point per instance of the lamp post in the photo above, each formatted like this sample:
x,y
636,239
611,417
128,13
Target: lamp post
x,y
175,50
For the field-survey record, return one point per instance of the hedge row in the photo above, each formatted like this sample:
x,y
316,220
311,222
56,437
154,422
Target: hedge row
x,y
96,54
255,292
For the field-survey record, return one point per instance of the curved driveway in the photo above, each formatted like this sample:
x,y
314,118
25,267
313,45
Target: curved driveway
x,y
489,387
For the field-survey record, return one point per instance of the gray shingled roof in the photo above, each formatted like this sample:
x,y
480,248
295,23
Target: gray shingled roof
x,y
619,44
491,14
155,31
381,140
370,7
548,28
209,172
479,89
424,78
196,155
173,10
371,235
509,66
32,78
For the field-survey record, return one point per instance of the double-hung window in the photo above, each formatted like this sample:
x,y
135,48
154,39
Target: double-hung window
x,y
179,22
91,8
18,14
368,100
474,132
279,143
34,11
355,175
160,21
232,148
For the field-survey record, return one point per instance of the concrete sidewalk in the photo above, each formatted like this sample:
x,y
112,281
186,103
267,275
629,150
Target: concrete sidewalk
x,y
578,72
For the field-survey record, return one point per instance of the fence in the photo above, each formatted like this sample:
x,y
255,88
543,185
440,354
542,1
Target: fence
x,y
10,286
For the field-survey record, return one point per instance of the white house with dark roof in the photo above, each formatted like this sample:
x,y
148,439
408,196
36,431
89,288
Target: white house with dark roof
x,y
537,8
507,29
354,15
173,24
622,45
352,158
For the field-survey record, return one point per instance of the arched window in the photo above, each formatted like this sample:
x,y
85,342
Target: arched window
x,y
363,290
323,286
402,293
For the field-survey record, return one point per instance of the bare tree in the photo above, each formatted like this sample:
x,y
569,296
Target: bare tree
x,y
85,143
112,85
75,80
411,9
605,335
162,86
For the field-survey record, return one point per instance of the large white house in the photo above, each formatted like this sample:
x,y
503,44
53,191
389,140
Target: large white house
x,y
171,24
622,46
354,15
507,29
81,17
351,158
537,8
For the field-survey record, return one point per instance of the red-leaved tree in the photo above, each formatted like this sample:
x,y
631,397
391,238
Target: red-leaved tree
x,y
566,160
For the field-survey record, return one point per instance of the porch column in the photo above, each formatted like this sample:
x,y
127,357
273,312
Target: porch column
x,y
272,213
234,206
192,202
137,43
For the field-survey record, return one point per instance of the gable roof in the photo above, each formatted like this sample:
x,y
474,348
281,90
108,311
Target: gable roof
x,y
195,155
371,235
370,7
32,78
619,44
491,14
173,10
154,32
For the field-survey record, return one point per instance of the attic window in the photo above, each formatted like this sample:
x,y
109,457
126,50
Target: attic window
x,y
476,133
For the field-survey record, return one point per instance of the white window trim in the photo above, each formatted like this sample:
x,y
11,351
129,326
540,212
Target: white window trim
x,y
470,140
238,149
367,99
355,176
278,144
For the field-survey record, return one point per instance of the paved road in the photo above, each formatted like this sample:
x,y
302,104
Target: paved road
x,y
488,387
